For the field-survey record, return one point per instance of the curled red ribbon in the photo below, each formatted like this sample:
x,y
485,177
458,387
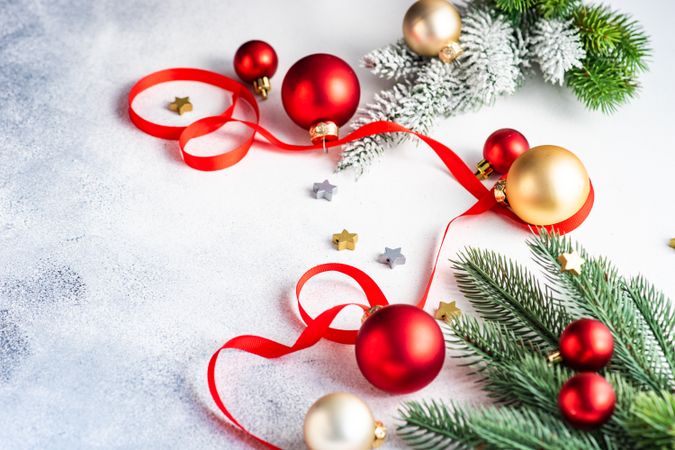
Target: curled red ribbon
x,y
316,328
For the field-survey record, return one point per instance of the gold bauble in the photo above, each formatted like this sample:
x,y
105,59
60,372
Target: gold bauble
x,y
339,421
432,28
546,185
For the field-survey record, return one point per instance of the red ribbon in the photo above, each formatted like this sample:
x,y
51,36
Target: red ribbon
x,y
316,328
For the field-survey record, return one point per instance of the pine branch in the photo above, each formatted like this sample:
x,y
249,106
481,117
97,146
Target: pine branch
x,y
601,84
597,292
612,34
515,7
658,312
394,62
528,380
556,47
490,67
557,9
652,422
436,425
485,343
505,292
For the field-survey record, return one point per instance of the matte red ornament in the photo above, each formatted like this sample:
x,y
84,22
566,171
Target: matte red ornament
x,y
320,93
400,349
255,62
586,344
500,150
587,400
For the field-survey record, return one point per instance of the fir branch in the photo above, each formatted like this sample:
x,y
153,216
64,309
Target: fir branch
x,y
601,84
652,422
658,312
490,67
433,425
556,47
436,425
515,7
505,292
485,343
557,9
597,292
394,61
607,33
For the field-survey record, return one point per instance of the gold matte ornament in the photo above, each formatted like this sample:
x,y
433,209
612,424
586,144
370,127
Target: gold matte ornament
x,y
432,28
546,185
342,421
672,243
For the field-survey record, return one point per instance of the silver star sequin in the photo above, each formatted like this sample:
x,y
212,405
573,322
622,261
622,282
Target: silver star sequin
x,y
392,256
324,190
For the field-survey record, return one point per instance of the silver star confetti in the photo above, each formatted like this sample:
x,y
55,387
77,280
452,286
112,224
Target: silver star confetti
x,y
324,190
392,256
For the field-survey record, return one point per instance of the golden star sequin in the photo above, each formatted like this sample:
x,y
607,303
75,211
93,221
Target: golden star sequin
x,y
181,105
571,262
447,311
345,240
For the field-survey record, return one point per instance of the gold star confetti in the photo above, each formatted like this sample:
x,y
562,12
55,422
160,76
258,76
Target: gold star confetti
x,y
181,105
672,243
571,262
447,311
345,240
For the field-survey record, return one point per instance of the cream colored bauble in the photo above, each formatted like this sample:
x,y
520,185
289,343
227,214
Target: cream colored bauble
x,y
341,421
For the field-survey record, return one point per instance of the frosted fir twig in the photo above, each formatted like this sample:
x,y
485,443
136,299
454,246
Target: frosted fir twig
x,y
393,62
491,66
556,47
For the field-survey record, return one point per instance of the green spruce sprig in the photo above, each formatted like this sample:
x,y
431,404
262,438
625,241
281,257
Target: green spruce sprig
x,y
507,354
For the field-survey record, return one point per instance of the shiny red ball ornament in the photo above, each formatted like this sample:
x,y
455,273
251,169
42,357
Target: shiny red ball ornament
x,y
400,349
500,150
320,93
255,62
587,400
586,344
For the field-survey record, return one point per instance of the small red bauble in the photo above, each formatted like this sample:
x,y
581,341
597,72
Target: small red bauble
x,y
587,400
400,349
586,344
320,93
500,150
255,62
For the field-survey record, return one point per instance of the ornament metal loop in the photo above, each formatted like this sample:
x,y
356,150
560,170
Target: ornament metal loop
x,y
500,191
323,131
450,52
262,86
370,311
483,169
380,434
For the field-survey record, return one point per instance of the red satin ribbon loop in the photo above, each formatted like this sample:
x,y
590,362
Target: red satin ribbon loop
x,y
319,327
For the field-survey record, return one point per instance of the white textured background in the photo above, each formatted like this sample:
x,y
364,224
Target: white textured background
x,y
121,269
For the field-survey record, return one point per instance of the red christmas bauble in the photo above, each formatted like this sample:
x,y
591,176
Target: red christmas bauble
x,y
320,88
400,349
255,60
587,400
503,147
586,344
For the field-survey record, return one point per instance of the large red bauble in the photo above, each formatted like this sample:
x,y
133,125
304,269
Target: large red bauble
x,y
586,344
254,60
400,349
320,88
587,400
503,147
